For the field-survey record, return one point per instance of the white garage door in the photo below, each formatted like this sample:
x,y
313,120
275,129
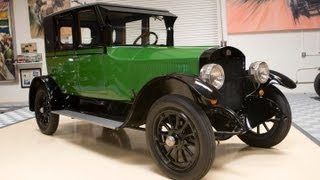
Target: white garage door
x,y
197,22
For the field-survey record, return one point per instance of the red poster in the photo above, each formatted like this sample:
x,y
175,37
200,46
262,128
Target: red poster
x,y
272,15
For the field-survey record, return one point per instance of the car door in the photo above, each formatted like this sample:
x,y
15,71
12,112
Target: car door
x,y
62,65
90,55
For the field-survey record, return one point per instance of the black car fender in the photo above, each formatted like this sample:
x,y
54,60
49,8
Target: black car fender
x,y
55,96
276,77
185,85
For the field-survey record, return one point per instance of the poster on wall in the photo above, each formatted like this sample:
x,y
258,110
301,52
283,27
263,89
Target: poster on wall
x,y
7,68
245,16
38,9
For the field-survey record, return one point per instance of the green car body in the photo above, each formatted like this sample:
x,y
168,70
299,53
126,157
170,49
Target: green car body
x,y
120,73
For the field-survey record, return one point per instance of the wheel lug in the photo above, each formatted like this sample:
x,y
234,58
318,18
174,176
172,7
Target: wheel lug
x,y
170,141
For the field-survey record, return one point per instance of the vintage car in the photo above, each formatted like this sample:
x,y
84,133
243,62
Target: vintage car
x,y
117,66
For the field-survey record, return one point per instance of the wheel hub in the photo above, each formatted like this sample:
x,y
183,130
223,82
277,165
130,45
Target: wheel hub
x,y
170,141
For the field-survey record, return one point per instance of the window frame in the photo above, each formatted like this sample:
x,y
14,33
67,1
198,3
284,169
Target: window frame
x,y
59,24
121,36
100,30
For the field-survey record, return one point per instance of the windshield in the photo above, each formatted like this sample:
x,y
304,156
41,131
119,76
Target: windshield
x,y
137,29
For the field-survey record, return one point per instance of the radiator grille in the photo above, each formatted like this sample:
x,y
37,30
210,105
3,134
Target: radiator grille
x,y
233,89
233,62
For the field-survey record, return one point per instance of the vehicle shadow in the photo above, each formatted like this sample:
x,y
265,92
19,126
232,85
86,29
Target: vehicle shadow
x,y
316,98
228,152
130,146
111,143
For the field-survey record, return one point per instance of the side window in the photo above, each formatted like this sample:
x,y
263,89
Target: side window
x,y
133,30
65,37
86,37
158,26
90,34
137,29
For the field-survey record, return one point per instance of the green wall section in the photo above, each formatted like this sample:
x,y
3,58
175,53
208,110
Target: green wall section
x,y
121,72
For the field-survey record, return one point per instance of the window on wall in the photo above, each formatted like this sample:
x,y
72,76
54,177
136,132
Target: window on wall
x,y
90,34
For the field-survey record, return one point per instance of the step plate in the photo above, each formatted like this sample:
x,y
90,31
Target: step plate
x,y
108,123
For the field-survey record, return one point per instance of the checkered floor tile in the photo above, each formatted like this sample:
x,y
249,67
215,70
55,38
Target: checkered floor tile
x,y
306,114
12,117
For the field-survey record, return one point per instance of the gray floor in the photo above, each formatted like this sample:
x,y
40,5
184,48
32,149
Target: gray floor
x,y
305,114
14,114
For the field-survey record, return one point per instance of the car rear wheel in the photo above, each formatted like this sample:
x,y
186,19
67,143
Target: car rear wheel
x,y
317,84
274,130
180,137
47,121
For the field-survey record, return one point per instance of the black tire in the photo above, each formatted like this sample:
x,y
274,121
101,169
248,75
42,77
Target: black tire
x,y
47,121
317,84
279,125
180,137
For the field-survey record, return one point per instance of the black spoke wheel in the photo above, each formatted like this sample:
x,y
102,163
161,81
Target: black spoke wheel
x,y
180,137
47,121
317,84
274,130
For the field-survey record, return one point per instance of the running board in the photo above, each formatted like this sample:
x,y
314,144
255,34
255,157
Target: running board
x,y
108,123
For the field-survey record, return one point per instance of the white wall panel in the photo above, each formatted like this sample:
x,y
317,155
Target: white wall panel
x,y
197,22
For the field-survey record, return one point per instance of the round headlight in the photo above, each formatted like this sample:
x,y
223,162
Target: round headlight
x,y
260,71
213,74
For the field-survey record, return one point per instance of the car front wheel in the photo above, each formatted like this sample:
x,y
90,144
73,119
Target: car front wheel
x,y
47,121
180,137
275,129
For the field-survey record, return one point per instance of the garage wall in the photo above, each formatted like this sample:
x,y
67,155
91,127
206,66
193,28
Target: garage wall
x,y
197,22
12,92
282,51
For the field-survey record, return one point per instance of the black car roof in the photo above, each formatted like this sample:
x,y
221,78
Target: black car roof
x,y
119,8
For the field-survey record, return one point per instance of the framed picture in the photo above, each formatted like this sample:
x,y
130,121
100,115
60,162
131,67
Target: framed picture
x,y
38,9
26,76
7,65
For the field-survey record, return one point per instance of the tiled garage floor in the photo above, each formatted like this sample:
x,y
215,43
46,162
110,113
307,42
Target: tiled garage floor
x,y
14,114
305,114
80,150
